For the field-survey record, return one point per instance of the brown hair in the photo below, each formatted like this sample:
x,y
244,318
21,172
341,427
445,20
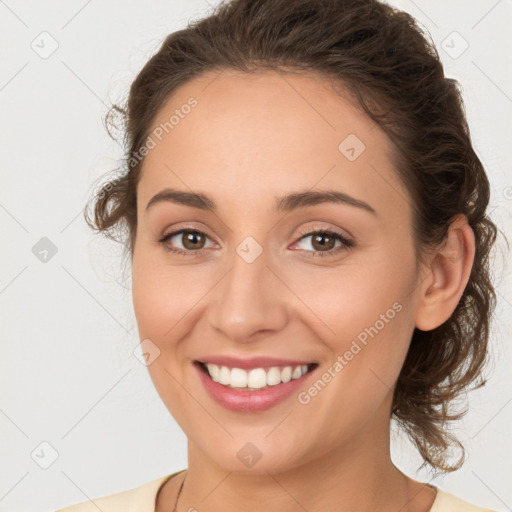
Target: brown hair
x,y
379,55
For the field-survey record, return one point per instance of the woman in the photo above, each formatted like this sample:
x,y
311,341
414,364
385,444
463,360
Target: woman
x,y
306,222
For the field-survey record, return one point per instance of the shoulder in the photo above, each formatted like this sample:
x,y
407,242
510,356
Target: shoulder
x,y
446,502
138,499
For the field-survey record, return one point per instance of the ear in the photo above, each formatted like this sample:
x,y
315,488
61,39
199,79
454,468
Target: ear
x,y
447,276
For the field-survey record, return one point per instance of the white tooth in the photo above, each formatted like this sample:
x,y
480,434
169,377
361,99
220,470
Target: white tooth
x,y
214,371
238,378
286,374
224,375
274,376
257,378
297,372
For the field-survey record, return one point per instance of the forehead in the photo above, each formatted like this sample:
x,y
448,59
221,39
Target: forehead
x,y
254,136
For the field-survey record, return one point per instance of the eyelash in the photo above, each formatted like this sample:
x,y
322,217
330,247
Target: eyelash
x,y
346,243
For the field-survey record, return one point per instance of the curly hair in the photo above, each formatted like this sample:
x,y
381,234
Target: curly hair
x,y
389,68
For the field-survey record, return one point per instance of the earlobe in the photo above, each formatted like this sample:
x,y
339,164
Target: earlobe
x,y
447,276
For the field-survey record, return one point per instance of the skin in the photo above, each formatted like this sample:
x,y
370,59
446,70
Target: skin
x,y
251,138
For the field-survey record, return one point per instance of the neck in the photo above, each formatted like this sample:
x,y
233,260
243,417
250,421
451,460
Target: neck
x,y
341,480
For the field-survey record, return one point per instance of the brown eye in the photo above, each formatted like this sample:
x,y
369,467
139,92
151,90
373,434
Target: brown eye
x,y
323,242
185,242
192,240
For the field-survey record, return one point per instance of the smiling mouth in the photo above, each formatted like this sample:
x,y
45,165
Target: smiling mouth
x,y
255,379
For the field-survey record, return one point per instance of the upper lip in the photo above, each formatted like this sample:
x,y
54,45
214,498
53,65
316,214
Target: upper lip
x,y
252,362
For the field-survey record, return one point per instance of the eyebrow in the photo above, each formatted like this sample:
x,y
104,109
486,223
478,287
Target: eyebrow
x,y
282,204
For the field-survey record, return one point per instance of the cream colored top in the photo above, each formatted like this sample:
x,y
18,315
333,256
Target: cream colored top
x,y
143,499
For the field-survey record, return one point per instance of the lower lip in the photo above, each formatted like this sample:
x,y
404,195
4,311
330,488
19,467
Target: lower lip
x,y
250,401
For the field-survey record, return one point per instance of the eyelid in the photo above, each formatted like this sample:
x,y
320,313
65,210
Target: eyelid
x,y
325,229
178,228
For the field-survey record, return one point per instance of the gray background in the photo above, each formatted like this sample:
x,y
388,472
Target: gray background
x,y
68,377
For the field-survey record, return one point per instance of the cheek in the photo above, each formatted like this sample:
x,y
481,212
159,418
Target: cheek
x,y
160,293
362,312
366,322
154,297
168,302
146,297
159,304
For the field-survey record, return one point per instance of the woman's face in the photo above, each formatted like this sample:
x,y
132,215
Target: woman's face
x,y
252,279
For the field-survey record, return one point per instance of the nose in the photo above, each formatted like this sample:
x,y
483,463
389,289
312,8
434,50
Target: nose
x,y
249,300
